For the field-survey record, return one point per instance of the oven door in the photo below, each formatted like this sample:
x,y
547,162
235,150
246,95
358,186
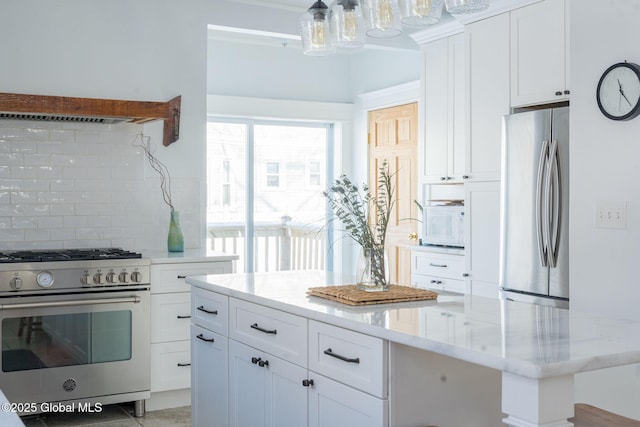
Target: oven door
x,y
75,346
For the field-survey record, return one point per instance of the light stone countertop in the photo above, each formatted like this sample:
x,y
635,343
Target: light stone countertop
x,y
523,339
189,255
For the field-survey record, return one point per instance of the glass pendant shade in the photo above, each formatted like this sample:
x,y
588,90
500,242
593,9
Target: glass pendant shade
x,y
347,24
315,32
466,6
421,12
382,18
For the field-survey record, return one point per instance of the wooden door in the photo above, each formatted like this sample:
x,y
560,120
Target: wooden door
x,y
393,136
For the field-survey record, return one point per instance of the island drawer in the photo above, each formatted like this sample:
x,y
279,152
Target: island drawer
x,y
273,331
440,265
210,310
349,357
170,314
171,277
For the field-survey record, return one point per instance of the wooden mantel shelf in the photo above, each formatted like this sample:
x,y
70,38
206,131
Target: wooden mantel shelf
x,y
130,111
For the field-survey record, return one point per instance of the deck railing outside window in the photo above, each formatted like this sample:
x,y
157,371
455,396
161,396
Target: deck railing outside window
x,y
278,246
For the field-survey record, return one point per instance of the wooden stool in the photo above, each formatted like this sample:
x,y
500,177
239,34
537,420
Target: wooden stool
x,y
591,416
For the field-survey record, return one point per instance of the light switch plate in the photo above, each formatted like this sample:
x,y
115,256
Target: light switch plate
x,y
611,214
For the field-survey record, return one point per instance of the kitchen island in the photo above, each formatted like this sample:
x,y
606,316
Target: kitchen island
x,y
458,361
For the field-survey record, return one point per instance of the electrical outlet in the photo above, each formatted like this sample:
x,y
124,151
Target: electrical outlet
x,y
611,214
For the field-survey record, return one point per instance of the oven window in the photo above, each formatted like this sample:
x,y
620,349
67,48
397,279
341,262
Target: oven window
x,y
65,340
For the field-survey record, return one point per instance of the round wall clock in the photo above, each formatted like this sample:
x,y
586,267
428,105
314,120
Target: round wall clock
x,y
618,91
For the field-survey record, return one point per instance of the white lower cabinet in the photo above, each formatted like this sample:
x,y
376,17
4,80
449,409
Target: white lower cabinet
x,y
439,271
209,387
332,404
264,390
170,314
322,375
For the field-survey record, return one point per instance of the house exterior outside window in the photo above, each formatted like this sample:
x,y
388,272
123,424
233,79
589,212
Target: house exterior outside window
x,y
273,175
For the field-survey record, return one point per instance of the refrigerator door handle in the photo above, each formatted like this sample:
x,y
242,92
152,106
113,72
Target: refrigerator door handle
x,y
541,217
555,199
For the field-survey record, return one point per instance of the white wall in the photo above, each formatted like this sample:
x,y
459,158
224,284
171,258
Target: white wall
x,y
604,166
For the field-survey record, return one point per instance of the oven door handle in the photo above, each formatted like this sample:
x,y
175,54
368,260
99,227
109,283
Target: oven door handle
x,y
134,299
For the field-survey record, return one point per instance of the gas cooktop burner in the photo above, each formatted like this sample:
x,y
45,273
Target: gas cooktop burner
x,y
67,255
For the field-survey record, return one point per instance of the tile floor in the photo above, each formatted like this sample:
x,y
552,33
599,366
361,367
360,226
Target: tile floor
x,y
114,416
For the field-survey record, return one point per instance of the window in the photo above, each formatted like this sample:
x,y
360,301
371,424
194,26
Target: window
x,y
269,230
273,174
315,174
226,183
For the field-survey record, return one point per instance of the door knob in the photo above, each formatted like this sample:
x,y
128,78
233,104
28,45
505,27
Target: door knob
x,y
413,236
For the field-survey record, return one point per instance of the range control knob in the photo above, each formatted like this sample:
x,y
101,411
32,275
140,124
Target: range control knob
x,y
16,283
85,279
136,277
111,277
123,277
98,278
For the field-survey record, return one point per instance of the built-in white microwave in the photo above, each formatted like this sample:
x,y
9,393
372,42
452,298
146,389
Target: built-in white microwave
x,y
443,225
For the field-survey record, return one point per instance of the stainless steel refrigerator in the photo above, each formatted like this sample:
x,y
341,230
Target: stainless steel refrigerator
x,y
534,207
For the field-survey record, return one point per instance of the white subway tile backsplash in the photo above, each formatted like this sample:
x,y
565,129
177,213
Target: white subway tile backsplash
x,y
24,146
50,222
24,172
76,185
18,222
31,134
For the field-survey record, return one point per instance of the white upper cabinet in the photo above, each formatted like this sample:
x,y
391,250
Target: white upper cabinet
x,y
487,64
444,148
539,54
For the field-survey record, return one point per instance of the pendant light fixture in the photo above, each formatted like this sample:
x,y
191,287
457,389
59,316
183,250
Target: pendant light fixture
x,y
315,31
421,12
466,6
382,17
347,24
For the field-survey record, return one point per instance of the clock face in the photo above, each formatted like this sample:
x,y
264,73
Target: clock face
x,y
618,92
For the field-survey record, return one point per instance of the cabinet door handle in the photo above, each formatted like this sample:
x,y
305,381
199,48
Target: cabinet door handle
x,y
443,178
307,383
567,92
201,337
558,93
465,176
182,276
465,274
263,363
201,308
438,265
330,352
266,331
183,317
181,365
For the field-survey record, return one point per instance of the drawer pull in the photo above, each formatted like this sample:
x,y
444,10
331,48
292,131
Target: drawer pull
x,y
266,331
183,317
437,282
201,308
255,360
438,265
181,365
307,383
201,337
330,352
181,276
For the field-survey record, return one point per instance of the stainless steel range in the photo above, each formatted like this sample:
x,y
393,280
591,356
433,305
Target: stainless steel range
x,y
75,328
